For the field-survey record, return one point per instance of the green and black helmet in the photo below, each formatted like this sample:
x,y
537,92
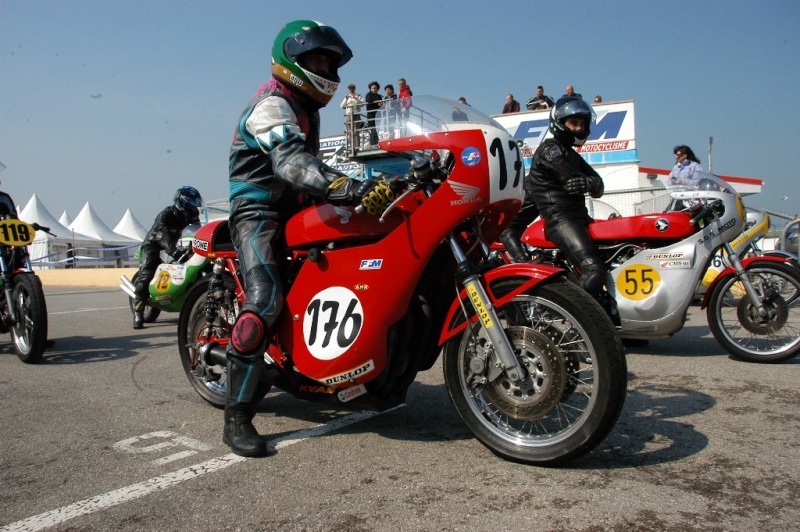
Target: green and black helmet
x,y
297,39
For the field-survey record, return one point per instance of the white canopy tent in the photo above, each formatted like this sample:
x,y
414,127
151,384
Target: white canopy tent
x,y
115,247
129,226
48,251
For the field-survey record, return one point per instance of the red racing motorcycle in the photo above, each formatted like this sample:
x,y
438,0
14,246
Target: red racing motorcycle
x,y
532,364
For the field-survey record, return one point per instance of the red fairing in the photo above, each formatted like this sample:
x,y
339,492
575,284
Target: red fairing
x,y
213,240
667,225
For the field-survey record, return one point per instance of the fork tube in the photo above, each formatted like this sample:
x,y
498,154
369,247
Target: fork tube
x,y
755,299
470,279
7,288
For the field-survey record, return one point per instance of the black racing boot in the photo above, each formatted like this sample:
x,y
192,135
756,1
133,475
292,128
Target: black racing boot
x,y
138,313
239,432
514,246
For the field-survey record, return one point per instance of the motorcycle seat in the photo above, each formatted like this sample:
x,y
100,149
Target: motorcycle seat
x,y
665,225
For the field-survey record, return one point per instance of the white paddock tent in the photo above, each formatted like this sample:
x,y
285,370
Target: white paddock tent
x,y
131,227
48,251
116,249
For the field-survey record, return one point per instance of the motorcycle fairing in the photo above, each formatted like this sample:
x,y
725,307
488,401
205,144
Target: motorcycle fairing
x,y
171,281
213,240
666,226
654,287
379,277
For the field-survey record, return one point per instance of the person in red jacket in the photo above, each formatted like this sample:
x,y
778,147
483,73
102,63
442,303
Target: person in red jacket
x,y
511,106
404,102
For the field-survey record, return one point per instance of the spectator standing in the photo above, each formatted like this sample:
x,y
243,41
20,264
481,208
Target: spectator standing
x,y
511,106
463,100
598,99
458,115
570,93
390,109
686,164
70,256
374,103
404,99
540,101
351,104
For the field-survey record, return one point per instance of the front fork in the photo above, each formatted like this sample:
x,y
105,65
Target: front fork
x,y
470,279
741,273
11,316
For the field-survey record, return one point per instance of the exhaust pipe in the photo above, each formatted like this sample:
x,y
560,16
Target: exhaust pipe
x,y
214,354
127,286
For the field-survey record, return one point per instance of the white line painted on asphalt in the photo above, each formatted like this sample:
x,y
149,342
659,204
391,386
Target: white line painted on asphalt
x,y
85,310
141,489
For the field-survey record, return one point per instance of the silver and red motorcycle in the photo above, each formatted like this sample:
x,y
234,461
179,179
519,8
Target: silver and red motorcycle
x,y
657,264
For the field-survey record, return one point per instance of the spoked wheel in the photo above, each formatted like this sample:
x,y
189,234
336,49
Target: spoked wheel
x,y
29,333
742,330
194,331
150,313
576,376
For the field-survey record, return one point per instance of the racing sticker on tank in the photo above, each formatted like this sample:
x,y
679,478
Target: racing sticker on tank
x,y
470,156
662,224
638,282
332,322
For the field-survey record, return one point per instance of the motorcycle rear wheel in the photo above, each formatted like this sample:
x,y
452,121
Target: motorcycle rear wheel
x,y
208,381
735,322
29,333
577,378
150,313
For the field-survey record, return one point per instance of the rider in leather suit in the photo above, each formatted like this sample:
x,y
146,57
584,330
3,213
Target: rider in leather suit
x,y
555,188
163,236
273,168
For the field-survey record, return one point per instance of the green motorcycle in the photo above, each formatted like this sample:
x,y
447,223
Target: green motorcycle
x,y
170,284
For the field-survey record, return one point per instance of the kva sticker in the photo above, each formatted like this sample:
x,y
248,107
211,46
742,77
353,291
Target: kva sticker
x,y
332,322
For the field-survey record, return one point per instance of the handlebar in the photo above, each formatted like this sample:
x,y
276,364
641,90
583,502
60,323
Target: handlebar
x,y
38,227
703,212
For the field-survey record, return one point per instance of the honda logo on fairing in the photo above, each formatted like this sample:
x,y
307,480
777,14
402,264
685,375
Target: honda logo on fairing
x,y
468,193
662,224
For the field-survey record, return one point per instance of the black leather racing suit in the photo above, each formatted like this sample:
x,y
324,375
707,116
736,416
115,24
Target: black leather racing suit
x,y
272,164
565,215
162,236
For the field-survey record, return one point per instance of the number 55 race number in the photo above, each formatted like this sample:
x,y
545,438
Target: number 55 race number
x,y
638,282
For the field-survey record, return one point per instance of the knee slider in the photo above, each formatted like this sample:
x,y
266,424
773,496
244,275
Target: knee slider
x,y
248,333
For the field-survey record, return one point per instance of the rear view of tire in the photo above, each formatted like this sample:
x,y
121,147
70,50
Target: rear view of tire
x,y
29,334
194,331
150,313
737,324
576,384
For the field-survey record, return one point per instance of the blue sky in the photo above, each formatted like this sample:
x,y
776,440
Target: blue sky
x,y
119,102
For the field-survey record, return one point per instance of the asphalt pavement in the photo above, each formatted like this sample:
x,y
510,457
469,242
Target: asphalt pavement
x,y
107,434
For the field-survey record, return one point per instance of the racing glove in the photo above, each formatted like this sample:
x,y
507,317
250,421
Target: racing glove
x,y
581,185
373,195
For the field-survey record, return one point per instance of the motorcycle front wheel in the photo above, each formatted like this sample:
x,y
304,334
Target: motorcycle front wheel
x,y
576,376
150,313
195,331
738,326
29,333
